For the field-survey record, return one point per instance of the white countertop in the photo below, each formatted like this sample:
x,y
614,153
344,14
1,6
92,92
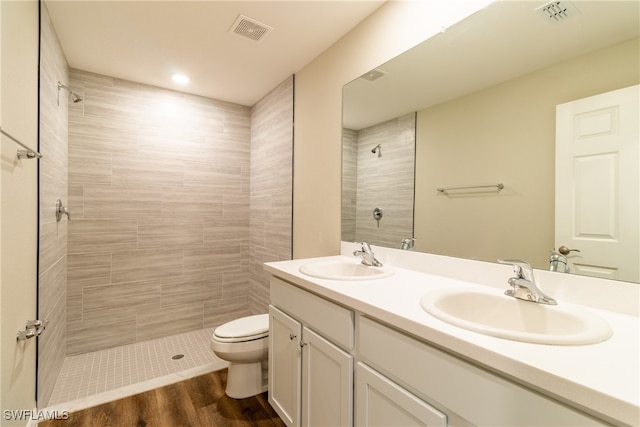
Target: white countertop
x,y
600,379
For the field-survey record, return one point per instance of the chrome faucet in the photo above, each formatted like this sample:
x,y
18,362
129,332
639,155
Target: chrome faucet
x,y
524,285
368,258
407,244
558,262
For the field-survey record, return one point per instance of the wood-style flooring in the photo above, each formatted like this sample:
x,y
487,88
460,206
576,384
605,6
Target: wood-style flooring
x,y
197,402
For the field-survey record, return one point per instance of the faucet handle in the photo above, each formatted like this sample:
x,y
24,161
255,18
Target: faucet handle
x,y
522,269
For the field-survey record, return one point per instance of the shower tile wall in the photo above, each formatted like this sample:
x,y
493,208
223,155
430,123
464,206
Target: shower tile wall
x,y
349,183
271,187
53,235
386,182
159,197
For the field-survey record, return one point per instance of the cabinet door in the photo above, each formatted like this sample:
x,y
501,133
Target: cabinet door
x,y
285,335
381,402
327,383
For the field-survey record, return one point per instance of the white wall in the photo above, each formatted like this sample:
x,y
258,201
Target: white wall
x,y
392,29
18,209
510,127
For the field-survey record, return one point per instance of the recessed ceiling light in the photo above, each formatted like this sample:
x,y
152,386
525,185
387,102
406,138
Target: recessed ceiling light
x,y
181,79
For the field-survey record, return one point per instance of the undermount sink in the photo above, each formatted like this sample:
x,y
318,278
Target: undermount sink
x,y
492,313
345,270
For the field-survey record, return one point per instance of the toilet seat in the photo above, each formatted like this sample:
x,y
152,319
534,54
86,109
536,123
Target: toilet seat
x,y
244,329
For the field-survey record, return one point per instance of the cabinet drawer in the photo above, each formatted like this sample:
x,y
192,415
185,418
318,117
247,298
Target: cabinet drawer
x,y
477,395
334,322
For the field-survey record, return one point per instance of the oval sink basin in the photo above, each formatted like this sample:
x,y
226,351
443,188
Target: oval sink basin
x,y
498,315
344,270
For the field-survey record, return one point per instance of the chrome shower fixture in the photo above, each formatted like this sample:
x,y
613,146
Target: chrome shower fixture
x,y
74,96
378,149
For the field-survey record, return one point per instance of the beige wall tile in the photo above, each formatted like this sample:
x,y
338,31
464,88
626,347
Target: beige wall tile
x,y
159,182
170,321
160,185
53,244
88,269
191,289
105,235
191,203
170,232
120,300
144,264
89,167
219,312
271,187
98,334
141,171
101,134
386,182
122,202
75,193
53,125
349,184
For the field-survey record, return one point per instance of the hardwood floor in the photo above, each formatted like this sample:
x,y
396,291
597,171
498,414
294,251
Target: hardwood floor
x,y
196,402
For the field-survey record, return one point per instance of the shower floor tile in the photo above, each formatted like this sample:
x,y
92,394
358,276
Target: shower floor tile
x,y
93,378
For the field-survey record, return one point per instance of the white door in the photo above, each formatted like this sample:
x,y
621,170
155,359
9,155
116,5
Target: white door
x,y
327,383
18,208
285,335
598,184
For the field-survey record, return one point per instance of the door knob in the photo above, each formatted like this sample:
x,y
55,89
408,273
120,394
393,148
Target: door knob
x,y
565,250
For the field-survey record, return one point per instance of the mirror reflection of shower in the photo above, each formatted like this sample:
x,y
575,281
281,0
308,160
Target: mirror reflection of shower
x,y
378,149
74,96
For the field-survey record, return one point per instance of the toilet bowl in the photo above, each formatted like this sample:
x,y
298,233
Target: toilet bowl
x,y
244,343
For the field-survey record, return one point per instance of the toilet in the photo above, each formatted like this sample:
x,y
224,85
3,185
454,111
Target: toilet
x,y
244,343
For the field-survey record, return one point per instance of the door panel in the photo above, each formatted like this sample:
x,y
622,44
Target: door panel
x,y
598,184
327,383
285,334
381,402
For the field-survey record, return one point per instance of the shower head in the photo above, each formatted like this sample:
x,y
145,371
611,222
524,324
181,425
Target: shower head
x,y
378,149
75,98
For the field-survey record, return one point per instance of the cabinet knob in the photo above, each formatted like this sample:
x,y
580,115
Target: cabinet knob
x,y
292,336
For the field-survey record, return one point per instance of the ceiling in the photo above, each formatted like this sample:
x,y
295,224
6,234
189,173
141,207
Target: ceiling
x,y
504,40
148,41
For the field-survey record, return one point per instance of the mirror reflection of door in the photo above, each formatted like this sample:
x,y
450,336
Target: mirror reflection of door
x,y
598,184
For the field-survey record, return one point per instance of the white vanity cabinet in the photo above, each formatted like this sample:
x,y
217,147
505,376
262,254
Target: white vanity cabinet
x,y
310,364
317,347
466,392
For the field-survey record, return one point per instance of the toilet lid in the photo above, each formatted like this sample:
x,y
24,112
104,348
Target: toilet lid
x,y
250,326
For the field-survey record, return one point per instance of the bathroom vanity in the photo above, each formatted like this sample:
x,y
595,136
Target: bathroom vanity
x,y
364,352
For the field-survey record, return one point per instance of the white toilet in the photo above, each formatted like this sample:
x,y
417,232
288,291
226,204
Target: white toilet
x,y
244,343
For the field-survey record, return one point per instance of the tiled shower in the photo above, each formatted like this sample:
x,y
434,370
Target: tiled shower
x,y
383,180
175,201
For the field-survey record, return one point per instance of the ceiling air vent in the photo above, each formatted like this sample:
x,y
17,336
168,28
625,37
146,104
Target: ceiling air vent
x,y
374,74
557,10
250,28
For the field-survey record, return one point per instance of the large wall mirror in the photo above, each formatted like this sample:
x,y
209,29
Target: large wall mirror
x,y
475,106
